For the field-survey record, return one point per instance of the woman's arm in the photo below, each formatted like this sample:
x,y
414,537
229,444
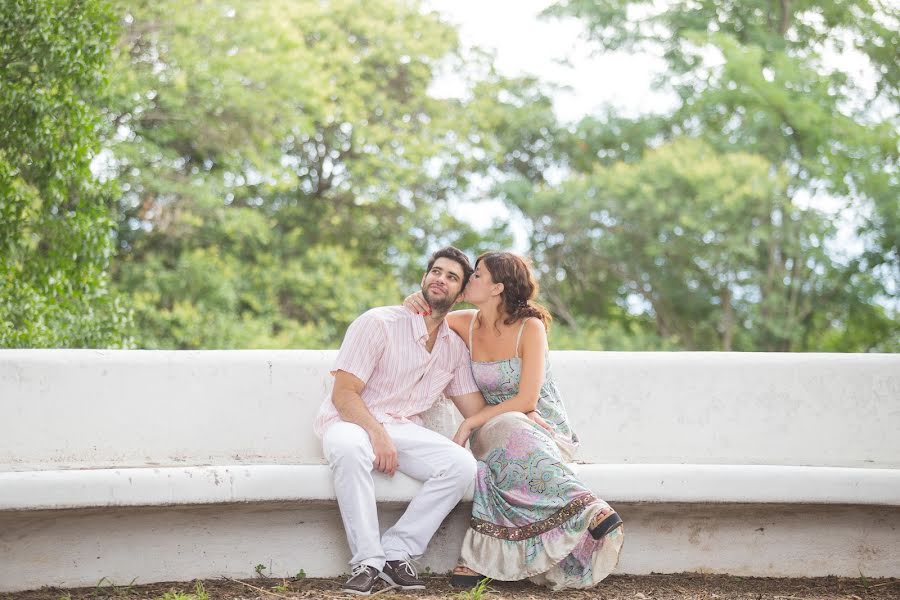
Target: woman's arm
x,y
459,320
534,344
469,404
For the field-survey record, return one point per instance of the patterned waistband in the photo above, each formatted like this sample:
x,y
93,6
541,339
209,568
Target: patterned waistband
x,y
533,529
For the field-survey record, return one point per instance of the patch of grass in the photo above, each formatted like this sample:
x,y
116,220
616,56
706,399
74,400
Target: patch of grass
x,y
111,589
98,589
259,570
863,580
198,594
477,592
301,574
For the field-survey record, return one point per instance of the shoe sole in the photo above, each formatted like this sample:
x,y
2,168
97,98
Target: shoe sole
x,y
393,583
459,580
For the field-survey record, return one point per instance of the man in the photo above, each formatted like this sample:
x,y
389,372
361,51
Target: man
x,y
392,366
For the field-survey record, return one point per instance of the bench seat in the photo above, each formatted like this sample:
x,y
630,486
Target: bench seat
x,y
173,486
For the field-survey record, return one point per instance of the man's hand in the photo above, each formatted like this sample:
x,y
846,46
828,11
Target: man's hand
x,y
385,453
537,418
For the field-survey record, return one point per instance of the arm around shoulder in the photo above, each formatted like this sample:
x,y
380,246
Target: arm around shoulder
x,y
459,321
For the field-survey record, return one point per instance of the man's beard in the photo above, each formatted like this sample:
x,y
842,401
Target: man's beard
x,y
439,305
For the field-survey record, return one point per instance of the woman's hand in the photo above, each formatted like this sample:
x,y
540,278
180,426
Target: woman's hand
x,y
416,303
463,433
536,417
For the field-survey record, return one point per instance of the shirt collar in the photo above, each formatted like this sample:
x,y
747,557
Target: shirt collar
x,y
420,331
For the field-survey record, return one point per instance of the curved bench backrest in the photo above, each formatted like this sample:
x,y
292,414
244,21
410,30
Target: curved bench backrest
x,y
85,408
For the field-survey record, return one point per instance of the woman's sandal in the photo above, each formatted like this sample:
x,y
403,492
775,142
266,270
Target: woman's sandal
x,y
610,521
466,580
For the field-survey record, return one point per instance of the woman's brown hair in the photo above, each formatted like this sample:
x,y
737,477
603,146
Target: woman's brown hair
x,y
519,287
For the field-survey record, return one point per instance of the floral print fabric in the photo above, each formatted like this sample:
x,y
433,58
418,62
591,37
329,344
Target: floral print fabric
x,y
531,514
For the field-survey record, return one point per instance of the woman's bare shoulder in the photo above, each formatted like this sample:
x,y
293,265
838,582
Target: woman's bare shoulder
x,y
459,320
535,334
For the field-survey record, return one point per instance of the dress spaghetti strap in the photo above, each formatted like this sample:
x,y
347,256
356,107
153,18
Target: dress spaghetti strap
x,y
519,338
471,327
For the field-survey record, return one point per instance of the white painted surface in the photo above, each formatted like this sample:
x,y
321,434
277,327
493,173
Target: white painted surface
x,y
202,463
172,486
87,408
78,548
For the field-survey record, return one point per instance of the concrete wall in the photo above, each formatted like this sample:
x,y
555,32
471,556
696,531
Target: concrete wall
x,y
174,465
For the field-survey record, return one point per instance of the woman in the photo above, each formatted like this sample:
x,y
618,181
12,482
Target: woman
x,y
531,518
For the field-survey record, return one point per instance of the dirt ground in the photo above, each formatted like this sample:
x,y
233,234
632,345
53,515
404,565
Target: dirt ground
x,y
616,587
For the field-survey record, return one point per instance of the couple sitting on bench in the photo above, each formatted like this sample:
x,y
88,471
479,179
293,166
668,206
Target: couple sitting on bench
x,y
531,517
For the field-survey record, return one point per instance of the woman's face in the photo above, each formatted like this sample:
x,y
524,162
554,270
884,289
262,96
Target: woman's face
x,y
481,285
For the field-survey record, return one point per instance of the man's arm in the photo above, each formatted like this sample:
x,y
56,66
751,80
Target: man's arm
x,y
347,399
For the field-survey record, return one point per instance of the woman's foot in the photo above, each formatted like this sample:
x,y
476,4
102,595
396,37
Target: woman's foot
x,y
464,577
604,512
604,522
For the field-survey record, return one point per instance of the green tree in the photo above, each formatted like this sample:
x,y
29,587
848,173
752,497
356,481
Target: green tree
x,y
683,232
55,228
773,89
283,166
753,78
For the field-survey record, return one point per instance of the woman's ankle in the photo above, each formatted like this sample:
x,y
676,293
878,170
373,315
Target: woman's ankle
x,y
463,570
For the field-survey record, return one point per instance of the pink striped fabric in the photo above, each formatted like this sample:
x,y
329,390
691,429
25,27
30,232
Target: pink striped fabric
x,y
385,348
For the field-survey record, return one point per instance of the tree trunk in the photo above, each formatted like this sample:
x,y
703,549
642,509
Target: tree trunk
x,y
727,320
784,21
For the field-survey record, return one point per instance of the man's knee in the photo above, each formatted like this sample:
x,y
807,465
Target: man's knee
x,y
470,467
347,443
463,468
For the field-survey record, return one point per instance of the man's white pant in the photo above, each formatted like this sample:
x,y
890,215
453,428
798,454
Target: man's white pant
x,y
446,469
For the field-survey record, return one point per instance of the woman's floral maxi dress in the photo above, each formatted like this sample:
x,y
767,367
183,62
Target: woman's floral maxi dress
x,y
531,513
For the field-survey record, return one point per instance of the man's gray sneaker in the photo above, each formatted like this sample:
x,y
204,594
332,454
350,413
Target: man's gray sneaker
x,y
402,574
362,580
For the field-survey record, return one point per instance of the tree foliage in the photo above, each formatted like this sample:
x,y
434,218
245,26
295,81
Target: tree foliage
x,y
252,174
55,229
761,76
755,83
687,233
283,165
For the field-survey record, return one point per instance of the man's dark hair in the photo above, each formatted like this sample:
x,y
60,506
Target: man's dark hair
x,y
457,255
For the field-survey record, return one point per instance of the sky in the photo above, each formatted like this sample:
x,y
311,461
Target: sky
x,y
527,44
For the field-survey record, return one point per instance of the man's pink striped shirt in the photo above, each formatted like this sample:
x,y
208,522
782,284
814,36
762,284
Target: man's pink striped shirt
x,y
385,348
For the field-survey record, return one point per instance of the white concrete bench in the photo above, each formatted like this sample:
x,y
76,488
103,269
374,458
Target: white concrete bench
x,y
753,464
